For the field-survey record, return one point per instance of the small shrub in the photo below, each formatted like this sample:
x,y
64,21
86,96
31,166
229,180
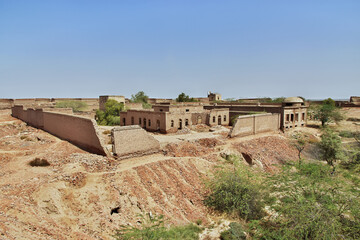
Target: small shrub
x,y
77,106
37,162
234,194
235,232
152,228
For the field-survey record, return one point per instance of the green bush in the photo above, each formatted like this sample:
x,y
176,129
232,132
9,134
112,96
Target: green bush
x,y
232,193
152,228
77,106
111,115
235,232
310,203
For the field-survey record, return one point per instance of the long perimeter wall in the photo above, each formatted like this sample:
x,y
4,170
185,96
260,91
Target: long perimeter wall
x,y
253,124
80,131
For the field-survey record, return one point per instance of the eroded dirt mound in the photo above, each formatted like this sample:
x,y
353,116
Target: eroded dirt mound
x,y
268,151
186,149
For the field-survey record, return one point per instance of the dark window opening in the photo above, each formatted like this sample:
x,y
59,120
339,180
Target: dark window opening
x,y
186,122
214,118
172,123
224,118
187,110
149,123
132,121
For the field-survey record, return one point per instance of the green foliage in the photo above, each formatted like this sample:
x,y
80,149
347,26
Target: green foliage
x,y
309,203
111,115
152,228
235,193
331,147
185,98
235,232
327,112
300,141
77,106
139,97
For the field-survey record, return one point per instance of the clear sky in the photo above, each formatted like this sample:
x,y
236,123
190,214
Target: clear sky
x,y
253,48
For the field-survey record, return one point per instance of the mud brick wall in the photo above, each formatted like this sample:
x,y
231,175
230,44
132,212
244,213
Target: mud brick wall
x,y
80,131
253,124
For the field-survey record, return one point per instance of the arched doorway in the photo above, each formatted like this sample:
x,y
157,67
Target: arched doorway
x,y
180,123
219,120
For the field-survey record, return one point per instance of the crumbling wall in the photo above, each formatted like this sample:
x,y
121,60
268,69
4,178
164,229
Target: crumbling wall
x,y
130,141
80,131
253,124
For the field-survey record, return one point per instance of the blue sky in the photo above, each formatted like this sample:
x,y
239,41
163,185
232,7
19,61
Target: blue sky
x,y
251,48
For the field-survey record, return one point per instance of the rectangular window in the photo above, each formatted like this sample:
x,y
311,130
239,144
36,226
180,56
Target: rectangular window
x,y
296,117
139,121
303,116
187,110
287,117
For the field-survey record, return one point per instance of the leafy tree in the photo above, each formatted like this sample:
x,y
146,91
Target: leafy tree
x,y
185,98
111,115
139,97
77,106
328,112
331,147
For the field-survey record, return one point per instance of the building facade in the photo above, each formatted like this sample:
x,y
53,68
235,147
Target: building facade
x,y
167,118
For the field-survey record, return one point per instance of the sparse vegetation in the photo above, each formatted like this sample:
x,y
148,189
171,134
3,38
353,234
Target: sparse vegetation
x,y
153,228
77,106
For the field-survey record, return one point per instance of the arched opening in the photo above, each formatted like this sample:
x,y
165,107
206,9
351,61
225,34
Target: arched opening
x,y
186,122
144,123
180,123
219,120
172,123
132,121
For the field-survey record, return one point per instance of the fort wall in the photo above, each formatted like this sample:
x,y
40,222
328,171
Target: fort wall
x,y
257,123
80,131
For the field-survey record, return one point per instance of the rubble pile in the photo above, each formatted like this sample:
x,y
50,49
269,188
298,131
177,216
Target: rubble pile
x,y
186,149
269,151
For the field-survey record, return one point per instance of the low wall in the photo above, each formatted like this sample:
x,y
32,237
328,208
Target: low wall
x,y
130,141
253,124
80,131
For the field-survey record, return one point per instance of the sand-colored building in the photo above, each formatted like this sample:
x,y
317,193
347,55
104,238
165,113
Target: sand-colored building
x,y
168,118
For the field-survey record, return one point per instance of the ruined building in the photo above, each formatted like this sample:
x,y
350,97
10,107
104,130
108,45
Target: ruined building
x,y
293,110
168,118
